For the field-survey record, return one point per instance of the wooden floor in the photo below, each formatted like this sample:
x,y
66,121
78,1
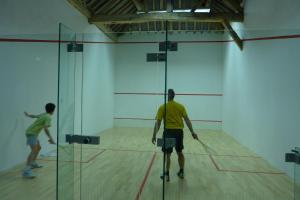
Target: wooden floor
x,y
127,166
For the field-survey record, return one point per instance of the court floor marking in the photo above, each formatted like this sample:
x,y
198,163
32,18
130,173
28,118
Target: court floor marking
x,y
215,163
75,161
138,195
241,171
135,150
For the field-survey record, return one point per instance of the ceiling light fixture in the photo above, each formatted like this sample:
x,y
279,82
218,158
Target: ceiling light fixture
x,y
157,11
182,10
202,10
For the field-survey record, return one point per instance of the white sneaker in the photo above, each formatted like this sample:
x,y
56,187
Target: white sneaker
x,y
28,174
35,165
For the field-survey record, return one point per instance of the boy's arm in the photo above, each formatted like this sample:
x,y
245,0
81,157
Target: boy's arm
x,y
31,116
156,129
190,126
51,141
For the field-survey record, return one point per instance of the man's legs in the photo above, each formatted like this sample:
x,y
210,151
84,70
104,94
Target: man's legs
x,y
167,155
180,160
179,148
168,161
181,164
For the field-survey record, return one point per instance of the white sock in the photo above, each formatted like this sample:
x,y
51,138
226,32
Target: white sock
x,y
27,168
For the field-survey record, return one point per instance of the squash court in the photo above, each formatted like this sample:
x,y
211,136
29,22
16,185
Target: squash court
x,y
87,87
127,166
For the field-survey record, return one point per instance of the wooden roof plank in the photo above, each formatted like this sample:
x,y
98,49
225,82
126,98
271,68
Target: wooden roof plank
x,y
180,17
234,5
84,11
233,34
139,5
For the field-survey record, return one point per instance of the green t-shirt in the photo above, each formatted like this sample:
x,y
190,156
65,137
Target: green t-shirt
x,y
43,120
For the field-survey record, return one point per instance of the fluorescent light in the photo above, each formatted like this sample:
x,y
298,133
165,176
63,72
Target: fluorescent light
x,y
157,11
182,10
140,12
202,10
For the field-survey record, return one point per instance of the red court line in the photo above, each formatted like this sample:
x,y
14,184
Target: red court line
x,y
27,40
273,37
187,153
151,119
197,154
223,155
214,162
153,93
153,42
138,195
95,156
134,118
75,161
238,156
251,172
69,161
200,154
132,150
203,120
241,171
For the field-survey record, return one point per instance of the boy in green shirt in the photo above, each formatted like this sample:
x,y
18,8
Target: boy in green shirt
x,y
43,121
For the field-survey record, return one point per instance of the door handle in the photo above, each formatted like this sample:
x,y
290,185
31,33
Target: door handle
x,y
293,157
82,139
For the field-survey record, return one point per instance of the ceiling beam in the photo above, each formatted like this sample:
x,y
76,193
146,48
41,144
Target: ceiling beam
x,y
233,34
169,6
179,17
84,11
138,4
107,31
234,5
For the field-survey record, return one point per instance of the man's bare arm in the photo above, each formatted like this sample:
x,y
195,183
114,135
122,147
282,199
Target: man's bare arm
x,y
155,131
190,126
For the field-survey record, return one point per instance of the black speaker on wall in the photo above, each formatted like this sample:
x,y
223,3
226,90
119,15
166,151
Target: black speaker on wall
x,y
171,46
156,57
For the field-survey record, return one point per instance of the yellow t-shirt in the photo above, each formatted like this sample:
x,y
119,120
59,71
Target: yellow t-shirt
x,y
174,115
43,120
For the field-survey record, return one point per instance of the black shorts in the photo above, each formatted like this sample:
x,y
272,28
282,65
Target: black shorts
x,y
178,135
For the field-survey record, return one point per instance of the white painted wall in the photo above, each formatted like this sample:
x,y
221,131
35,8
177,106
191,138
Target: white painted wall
x,y
194,68
261,83
28,73
98,86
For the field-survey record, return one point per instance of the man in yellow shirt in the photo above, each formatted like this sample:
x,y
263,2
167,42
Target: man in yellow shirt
x,y
175,113
43,121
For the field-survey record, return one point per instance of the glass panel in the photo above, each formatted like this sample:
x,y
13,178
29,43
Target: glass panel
x,y
66,113
194,68
297,178
121,95
214,79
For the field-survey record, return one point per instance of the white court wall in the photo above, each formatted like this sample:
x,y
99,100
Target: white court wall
x,y
261,83
196,68
28,73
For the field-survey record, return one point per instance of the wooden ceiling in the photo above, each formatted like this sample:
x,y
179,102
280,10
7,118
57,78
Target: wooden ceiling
x,y
115,17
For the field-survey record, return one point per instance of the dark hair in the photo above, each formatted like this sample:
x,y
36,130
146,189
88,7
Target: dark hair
x,y
50,107
171,94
